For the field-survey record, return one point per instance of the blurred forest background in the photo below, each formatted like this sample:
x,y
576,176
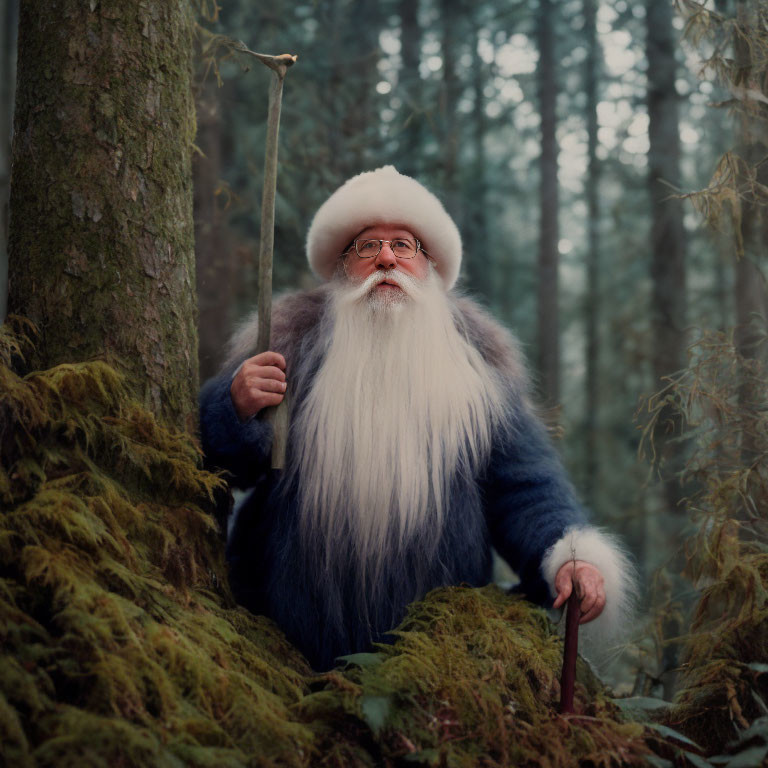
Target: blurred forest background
x,y
562,137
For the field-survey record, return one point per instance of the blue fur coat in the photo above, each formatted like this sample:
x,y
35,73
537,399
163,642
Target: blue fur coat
x,y
521,504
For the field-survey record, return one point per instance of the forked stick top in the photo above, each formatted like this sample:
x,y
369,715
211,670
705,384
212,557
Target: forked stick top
x,y
279,63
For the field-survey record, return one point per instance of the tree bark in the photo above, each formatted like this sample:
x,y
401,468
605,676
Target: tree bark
x,y
214,261
448,106
548,283
412,136
481,266
668,302
351,102
592,310
330,21
750,289
363,42
9,23
667,232
101,237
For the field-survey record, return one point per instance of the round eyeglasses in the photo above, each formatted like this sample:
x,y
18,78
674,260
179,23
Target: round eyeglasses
x,y
402,247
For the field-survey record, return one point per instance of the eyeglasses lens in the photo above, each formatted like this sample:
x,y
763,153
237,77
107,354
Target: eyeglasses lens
x,y
403,248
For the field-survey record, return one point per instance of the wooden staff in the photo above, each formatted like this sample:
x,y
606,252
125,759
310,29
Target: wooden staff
x,y
279,65
570,651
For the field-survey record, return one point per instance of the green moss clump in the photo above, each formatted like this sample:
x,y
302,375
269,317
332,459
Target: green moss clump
x,y
119,637
473,680
120,642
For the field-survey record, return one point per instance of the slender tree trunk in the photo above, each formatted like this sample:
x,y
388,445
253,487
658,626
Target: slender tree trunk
x,y
750,290
548,310
353,106
667,234
332,28
214,260
449,98
722,135
363,41
411,137
725,288
480,252
9,23
101,239
591,79
668,309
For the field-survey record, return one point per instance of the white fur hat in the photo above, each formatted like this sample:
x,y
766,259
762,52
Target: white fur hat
x,y
383,196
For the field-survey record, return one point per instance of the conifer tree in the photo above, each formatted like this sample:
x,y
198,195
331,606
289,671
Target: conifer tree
x,y
668,241
411,140
592,309
101,238
8,25
750,294
548,314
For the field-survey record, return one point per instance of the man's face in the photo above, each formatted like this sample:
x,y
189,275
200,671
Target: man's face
x,y
359,269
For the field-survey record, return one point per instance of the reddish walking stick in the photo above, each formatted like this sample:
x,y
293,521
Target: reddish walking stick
x,y
568,678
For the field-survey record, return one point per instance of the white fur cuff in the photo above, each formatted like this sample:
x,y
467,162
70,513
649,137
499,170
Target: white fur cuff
x,y
604,552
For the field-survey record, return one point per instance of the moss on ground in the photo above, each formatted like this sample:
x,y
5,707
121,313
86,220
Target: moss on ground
x,y
473,680
120,643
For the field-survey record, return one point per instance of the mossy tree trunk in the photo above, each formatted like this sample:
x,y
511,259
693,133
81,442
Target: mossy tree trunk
x,y
101,253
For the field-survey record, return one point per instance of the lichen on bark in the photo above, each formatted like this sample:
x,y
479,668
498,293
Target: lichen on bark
x,y
101,236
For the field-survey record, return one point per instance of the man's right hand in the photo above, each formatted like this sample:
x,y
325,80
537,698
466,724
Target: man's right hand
x,y
259,383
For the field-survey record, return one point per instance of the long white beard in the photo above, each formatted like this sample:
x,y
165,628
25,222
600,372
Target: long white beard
x,y
400,404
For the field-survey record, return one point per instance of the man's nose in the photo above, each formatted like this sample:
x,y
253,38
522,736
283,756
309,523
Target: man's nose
x,y
386,258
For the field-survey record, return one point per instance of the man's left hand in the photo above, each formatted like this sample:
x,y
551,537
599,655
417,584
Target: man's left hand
x,y
589,585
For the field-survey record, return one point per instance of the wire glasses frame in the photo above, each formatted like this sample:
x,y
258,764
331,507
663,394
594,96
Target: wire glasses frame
x,y
402,247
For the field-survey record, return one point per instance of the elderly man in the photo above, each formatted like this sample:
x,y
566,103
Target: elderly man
x,y
413,447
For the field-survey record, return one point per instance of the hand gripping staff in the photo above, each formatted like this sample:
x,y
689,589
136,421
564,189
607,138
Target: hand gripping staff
x,y
279,65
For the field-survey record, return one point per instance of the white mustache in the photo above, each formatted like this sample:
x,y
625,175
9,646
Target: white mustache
x,y
408,284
